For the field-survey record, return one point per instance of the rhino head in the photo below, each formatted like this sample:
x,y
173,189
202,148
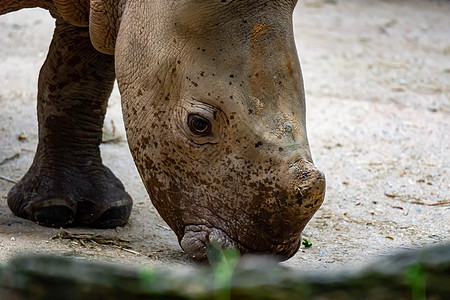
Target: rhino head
x,y
214,109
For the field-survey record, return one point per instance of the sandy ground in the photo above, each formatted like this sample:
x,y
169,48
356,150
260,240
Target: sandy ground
x,y
377,78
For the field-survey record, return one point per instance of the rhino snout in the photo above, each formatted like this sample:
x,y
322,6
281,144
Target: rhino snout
x,y
276,231
285,216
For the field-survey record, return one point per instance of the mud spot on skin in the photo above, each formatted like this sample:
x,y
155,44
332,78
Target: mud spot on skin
x,y
258,31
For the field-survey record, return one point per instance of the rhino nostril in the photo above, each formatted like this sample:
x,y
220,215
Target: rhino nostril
x,y
299,196
310,191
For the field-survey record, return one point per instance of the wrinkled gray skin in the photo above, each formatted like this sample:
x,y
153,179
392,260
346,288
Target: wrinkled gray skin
x,y
248,179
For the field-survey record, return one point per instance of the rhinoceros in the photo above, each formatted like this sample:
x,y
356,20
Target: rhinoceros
x,y
214,110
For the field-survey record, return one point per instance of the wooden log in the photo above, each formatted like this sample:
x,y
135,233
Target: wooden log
x,y
423,274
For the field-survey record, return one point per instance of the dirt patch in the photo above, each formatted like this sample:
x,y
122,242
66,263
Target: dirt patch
x,y
377,79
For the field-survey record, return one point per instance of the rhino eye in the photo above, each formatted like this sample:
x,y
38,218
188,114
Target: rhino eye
x,y
199,125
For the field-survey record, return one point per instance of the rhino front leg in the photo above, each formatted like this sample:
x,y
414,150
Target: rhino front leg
x,y
67,184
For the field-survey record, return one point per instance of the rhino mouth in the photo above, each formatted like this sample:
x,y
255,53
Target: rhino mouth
x,y
197,239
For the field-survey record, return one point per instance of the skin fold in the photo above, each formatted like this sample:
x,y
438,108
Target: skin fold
x,y
214,109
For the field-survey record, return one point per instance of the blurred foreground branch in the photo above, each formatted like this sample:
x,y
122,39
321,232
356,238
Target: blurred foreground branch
x,y
411,275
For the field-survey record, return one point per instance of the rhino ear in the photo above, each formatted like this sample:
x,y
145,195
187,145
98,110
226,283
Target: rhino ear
x,y
104,22
73,12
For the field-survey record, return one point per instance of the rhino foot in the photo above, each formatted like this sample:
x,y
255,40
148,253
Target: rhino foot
x,y
71,198
67,184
